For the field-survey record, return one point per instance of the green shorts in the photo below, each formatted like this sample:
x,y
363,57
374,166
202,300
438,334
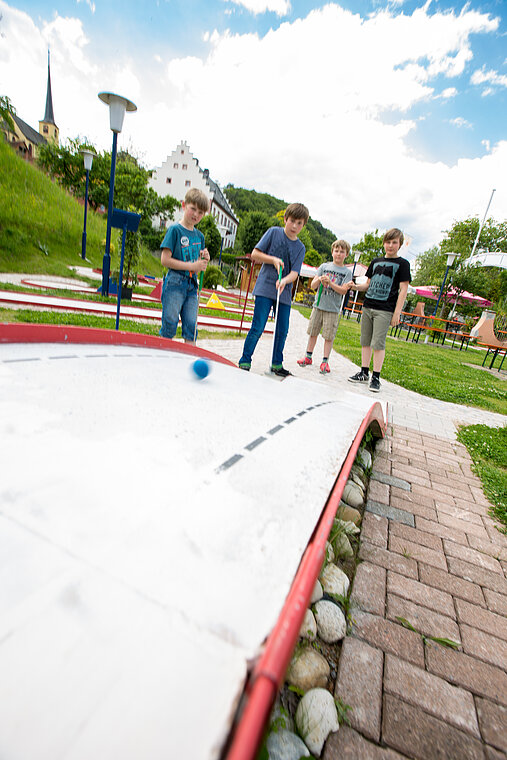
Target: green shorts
x,y
327,321
374,326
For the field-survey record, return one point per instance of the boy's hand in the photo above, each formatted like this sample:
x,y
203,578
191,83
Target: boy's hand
x,y
280,284
325,280
395,319
199,265
205,254
278,264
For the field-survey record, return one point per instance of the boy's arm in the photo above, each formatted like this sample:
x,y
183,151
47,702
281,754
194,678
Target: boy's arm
x,y
264,258
360,287
402,294
167,260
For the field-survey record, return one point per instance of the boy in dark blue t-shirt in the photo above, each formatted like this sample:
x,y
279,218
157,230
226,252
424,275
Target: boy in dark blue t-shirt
x,y
278,248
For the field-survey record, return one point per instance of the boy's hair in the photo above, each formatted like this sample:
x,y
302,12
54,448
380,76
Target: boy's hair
x,y
198,198
297,211
394,234
341,244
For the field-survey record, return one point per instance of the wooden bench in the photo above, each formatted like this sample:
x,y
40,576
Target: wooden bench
x,y
496,351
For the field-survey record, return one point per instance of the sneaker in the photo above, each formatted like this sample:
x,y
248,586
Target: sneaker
x,y
245,366
305,361
281,372
359,377
374,384
324,367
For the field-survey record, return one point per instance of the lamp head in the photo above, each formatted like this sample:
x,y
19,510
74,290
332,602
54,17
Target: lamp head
x,y
87,158
357,256
117,107
450,259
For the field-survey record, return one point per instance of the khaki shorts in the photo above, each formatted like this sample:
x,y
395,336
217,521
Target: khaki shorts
x,y
374,326
327,321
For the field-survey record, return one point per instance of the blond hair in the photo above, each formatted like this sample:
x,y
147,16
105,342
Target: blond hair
x,y
341,244
198,198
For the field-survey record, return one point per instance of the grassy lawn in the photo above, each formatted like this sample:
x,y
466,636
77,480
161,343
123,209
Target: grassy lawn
x,y
431,370
488,449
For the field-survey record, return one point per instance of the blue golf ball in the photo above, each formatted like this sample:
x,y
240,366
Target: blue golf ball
x,y
201,368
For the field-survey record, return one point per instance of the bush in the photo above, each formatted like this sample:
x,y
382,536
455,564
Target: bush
x,y
212,277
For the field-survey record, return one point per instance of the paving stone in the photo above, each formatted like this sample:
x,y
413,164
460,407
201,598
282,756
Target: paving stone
x,y
417,536
416,551
382,464
454,489
471,506
414,507
392,513
477,575
493,722
383,444
479,497
419,735
494,754
464,525
431,494
458,512
374,529
412,497
461,669
414,685
493,549
347,744
369,589
412,474
387,559
483,619
484,646
390,480
464,589
378,492
388,636
496,602
420,593
451,480
473,556
423,619
431,526
359,685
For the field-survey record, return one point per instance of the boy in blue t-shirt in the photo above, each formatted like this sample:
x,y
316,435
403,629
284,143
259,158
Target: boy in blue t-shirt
x,y
278,248
185,255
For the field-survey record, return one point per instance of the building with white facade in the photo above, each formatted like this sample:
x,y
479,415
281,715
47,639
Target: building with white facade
x,y
181,171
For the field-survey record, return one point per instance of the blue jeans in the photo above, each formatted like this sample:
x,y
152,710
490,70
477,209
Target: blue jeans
x,y
260,317
179,297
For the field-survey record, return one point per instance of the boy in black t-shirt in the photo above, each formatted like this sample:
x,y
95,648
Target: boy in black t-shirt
x,y
386,290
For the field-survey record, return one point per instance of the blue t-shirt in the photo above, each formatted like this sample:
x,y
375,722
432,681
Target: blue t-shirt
x,y
275,242
185,245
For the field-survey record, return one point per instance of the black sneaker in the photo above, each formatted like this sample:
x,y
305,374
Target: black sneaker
x,y
244,366
359,377
280,372
374,384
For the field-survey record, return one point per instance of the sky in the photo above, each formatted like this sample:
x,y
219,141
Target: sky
x,y
374,113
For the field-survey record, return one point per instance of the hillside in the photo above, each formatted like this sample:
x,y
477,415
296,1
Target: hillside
x,y
250,200
41,225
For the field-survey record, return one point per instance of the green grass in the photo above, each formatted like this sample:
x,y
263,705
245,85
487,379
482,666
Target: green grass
x,y
488,449
41,225
432,370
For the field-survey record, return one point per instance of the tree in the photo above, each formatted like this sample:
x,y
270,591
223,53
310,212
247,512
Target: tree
x,y
430,267
7,111
371,246
211,233
65,164
251,228
313,258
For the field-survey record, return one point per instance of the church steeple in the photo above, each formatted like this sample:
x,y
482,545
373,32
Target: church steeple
x,y
47,127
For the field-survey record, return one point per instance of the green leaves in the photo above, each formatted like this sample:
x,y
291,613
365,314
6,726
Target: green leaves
x,y
439,640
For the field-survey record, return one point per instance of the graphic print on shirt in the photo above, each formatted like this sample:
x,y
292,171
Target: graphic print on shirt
x,y
190,250
336,277
382,280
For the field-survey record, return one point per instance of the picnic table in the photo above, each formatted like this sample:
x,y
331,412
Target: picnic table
x,y
416,325
495,351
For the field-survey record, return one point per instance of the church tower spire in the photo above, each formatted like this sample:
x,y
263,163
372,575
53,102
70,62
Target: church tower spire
x,y
47,127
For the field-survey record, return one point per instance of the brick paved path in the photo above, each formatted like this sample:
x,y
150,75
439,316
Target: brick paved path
x,y
432,556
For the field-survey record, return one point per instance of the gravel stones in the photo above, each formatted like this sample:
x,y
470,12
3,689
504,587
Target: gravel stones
x,y
334,580
308,670
316,717
331,623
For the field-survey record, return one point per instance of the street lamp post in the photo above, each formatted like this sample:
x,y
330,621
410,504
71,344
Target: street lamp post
x,y
117,107
357,256
450,262
88,161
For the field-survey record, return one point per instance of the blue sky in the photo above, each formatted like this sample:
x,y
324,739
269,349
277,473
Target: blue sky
x,y
373,113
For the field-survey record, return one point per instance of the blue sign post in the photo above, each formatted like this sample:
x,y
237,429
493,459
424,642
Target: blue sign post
x,y
128,222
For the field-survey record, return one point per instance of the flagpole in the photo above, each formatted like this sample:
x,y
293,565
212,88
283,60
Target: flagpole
x,y
482,223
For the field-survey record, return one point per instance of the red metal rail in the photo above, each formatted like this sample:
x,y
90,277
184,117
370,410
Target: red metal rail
x,y
269,672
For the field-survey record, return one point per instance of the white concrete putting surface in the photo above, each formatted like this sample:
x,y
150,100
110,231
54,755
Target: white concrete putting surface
x,y
150,527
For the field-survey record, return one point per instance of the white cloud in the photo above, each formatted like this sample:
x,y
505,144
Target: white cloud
x,y
89,3
280,7
449,92
490,77
459,121
289,113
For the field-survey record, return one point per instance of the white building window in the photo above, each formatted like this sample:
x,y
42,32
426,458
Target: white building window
x,y
175,166
187,183
184,166
168,180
